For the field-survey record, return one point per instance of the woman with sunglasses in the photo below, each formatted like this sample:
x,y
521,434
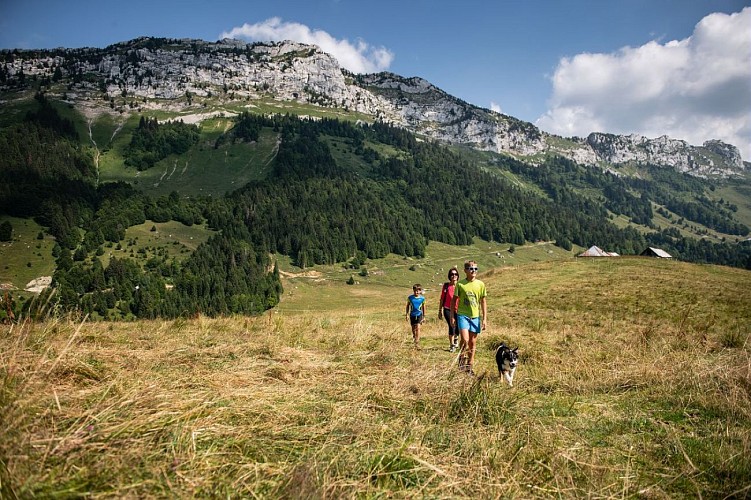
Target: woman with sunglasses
x,y
471,313
446,308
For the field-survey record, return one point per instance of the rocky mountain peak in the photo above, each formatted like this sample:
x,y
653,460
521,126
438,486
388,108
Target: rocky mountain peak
x,y
167,72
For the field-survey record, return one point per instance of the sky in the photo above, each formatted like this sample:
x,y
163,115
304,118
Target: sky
x,y
680,68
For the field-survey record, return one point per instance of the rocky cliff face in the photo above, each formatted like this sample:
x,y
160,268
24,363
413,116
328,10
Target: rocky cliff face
x,y
714,158
165,72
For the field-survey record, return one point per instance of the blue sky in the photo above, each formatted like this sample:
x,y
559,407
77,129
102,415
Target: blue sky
x,y
655,67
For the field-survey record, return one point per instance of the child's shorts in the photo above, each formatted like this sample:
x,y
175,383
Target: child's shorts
x,y
415,320
467,323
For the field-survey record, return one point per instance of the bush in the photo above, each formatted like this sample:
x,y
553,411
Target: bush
x,y
6,231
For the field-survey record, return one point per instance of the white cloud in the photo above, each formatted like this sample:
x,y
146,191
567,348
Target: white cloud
x,y
359,57
694,89
494,106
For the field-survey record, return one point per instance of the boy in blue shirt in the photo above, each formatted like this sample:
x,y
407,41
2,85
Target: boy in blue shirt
x,y
415,312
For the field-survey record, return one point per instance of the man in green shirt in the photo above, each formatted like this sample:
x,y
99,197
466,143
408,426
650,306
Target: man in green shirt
x,y
471,314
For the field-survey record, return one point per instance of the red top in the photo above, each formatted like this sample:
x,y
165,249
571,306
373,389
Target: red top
x,y
447,295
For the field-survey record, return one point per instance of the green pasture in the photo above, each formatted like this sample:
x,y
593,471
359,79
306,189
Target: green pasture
x,y
393,276
203,171
173,239
738,195
15,106
633,383
344,154
106,129
26,257
269,105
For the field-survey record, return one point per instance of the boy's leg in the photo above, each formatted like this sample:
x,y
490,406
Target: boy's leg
x,y
463,354
471,343
462,340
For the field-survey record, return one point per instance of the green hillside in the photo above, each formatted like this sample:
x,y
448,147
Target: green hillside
x,y
201,171
26,257
310,190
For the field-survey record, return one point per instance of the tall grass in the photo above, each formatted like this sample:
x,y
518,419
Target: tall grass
x,y
632,383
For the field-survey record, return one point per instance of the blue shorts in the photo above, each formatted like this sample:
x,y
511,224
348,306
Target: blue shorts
x,y
467,323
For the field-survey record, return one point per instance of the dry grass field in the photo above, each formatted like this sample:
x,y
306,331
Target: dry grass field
x,y
635,381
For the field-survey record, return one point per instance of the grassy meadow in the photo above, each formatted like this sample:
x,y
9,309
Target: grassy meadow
x,y
204,170
172,239
635,381
25,257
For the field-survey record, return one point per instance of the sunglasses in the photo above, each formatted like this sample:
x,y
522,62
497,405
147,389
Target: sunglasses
x,y
454,274
472,269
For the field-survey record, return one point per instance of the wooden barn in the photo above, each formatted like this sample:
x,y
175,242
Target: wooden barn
x,y
656,252
595,251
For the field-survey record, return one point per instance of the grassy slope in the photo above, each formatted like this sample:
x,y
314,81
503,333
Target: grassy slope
x,y
740,195
175,238
633,382
202,171
25,249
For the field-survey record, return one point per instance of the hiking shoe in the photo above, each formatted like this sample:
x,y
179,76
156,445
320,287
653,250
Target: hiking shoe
x,y
452,349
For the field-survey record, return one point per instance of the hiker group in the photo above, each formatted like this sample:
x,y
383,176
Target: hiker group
x,y
462,305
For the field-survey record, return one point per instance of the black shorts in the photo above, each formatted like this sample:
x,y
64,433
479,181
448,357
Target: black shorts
x,y
416,320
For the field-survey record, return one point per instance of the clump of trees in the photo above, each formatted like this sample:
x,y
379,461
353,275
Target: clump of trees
x,y
247,128
153,141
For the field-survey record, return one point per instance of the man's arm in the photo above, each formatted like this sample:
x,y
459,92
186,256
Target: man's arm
x,y
484,309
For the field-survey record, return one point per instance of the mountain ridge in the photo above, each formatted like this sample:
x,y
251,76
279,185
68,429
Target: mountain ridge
x,y
164,70
269,174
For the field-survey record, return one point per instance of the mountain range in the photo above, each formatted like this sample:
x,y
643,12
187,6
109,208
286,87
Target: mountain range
x,y
161,177
169,74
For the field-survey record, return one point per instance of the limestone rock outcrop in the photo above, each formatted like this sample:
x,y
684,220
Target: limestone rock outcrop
x,y
171,73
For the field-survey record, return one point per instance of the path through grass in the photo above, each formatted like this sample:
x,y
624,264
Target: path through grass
x,y
634,382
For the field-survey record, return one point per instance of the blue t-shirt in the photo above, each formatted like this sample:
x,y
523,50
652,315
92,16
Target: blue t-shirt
x,y
416,302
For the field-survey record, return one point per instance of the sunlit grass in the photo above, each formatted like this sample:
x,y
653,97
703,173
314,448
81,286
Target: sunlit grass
x,y
172,239
634,381
202,171
25,257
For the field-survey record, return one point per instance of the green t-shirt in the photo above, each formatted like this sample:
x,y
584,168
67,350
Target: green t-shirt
x,y
470,293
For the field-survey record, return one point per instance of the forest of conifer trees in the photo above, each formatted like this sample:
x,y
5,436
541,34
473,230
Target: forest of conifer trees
x,y
313,209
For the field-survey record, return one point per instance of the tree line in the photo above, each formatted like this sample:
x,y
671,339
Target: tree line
x,y
313,208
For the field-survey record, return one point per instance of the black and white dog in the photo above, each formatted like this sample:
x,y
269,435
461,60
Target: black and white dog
x,y
506,359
